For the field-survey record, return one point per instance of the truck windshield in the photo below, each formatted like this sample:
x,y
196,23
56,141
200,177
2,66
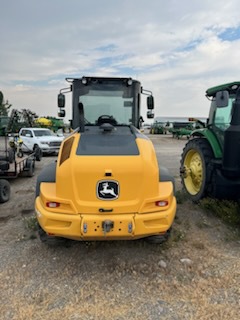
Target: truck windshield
x,y
112,100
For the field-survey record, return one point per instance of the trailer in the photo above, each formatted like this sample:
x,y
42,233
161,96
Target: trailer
x,y
13,165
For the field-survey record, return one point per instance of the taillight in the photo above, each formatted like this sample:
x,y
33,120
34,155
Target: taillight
x,y
161,203
52,204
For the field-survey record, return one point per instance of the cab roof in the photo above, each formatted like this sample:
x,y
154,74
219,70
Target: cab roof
x,y
232,87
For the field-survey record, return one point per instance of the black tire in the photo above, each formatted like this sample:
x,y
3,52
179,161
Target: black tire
x,y
38,153
11,155
20,154
48,174
158,238
5,190
51,240
195,169
30,166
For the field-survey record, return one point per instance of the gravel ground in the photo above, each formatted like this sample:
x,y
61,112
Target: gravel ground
x,y
195,275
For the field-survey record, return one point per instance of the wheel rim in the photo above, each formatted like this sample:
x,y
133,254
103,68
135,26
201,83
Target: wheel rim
x,y
193,172
5,191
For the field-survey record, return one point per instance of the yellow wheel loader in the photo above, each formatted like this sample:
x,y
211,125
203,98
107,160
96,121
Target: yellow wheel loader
x,y
106,183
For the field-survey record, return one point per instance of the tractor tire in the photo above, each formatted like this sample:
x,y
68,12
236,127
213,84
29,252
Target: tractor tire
x,y
195,169
51,240
158,238
4,190
48,174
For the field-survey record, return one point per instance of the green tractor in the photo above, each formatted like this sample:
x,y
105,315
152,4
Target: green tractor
x,y
210,162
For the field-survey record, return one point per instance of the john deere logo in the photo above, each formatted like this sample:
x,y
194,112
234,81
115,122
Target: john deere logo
x,y
107,190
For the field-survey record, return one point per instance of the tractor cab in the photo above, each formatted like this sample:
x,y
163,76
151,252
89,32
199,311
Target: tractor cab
x,y
113,101
221,111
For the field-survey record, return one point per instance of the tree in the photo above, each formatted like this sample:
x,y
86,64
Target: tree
x,y
4,106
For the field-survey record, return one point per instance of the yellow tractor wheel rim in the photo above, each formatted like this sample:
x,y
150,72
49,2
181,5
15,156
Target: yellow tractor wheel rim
x,y
193,177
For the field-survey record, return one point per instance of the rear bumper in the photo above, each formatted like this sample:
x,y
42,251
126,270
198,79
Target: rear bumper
x,y
93,227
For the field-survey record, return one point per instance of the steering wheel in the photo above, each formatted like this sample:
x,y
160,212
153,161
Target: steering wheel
x,y
105,118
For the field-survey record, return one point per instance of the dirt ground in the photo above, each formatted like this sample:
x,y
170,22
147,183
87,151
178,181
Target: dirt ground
x,y
195,275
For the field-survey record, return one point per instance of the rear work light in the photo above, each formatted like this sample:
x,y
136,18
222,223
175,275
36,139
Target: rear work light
x,y
161,203
51,204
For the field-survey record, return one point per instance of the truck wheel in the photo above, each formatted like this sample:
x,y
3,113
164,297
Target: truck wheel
x,y
195,168
38,153
4,190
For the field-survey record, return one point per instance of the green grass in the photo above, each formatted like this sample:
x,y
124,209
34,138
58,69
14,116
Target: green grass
x,y
31,223
181,196
228,211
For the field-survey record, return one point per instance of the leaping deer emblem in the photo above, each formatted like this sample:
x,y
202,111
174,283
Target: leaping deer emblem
x,y
107,190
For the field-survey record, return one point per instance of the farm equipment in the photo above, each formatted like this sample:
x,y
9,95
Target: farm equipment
x,y
106,183
3,125
158,128
14,164
51,123
19,119
15,144
210,162
180,129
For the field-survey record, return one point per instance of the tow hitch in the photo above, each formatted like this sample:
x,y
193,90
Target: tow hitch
x,y
107,225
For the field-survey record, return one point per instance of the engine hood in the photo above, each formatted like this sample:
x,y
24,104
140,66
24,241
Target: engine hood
x,y
111,171
50,138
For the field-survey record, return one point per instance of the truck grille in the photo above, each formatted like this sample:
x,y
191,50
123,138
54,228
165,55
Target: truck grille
x,y
55,144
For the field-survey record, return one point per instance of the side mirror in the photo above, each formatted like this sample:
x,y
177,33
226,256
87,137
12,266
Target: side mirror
x,y
150,102
61,100
150,115
222,98
61,113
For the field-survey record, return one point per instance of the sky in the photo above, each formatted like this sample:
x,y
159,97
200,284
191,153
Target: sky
x,y
177,49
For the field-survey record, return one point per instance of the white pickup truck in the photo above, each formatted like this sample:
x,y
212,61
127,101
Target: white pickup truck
x,y
43,138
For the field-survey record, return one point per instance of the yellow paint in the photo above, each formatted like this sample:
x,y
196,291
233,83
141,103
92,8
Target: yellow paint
x,y
76,191
193,172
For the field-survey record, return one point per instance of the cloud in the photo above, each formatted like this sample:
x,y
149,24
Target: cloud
x,y
177,49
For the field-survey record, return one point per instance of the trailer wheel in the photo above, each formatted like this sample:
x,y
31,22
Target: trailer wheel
x,y
20,154
11,155
4,190
30,165
195,168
